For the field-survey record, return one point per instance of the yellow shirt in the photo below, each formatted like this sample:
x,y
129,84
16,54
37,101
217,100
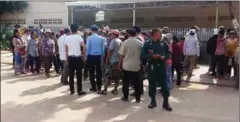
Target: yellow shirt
x,y
231,46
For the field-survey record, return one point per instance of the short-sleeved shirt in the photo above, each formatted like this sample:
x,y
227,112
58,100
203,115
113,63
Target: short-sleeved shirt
x,y
73,43
33,48
131,50
61,44
114,47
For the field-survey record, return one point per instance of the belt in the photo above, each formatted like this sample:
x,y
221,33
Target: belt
x,y
75,56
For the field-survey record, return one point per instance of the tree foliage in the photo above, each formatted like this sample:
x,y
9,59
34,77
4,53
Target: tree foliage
x,y
13,6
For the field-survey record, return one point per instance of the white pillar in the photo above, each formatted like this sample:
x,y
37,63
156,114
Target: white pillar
x,y
134,15
216,19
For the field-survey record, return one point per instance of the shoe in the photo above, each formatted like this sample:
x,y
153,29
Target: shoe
x,y
81,93
178,83
103,92
71,93
167,107
152,105
99,91
114,92
93,90
124,99
138,101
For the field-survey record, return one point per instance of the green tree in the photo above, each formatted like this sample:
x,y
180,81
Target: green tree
x,y
13,6
9,7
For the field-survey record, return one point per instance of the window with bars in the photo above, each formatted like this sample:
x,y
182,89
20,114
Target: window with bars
x,y
13,21
47,21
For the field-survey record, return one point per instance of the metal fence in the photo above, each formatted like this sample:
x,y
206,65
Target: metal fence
x,y
203,34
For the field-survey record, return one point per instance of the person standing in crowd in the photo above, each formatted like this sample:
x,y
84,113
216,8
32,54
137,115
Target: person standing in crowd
x,y
112,60
196,28
231,47
19,52
95,53
130,51
56,59
211,48
168,39
190,50
157,51
25,38
75,58
85,68
141,38
33,53
177,59
63,58
220,53
47,52
181,41
139,35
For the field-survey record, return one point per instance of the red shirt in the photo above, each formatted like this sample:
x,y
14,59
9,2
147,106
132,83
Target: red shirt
x,y
181,44
176,53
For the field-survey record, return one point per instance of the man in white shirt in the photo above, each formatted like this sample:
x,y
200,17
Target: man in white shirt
x,y
131,51
61,45
75,58
191,50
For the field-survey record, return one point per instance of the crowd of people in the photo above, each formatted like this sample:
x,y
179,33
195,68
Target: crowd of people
x,y
109,56
224,52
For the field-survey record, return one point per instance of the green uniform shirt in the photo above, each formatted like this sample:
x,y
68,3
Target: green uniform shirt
x,y
158,47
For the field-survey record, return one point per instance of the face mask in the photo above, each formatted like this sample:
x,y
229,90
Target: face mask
x,y
192,34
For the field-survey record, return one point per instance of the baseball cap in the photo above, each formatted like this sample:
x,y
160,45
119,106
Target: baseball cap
x,y
115,32
94,28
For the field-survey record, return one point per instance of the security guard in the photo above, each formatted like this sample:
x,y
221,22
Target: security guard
x,y
156,52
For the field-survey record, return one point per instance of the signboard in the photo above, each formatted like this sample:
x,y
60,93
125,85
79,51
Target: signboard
x,y
100,16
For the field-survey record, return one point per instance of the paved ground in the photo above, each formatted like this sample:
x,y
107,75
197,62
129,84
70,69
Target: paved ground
x,y
37,99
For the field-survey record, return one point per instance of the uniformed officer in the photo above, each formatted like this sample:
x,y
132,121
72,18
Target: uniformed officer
x,y
156,52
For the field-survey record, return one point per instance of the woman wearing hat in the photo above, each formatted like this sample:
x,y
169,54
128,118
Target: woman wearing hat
x,y
47,52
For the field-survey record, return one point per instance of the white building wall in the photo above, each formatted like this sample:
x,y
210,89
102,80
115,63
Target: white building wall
x,y
42,10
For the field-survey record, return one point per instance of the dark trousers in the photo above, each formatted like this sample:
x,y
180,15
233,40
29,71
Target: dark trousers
x,y
57,63
75,64
65,72
220,62
134,78
34,61
212,64
85,71
94,65
178,69
141,79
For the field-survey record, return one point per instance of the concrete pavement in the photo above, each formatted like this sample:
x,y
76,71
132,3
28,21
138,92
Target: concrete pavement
x,y
37,99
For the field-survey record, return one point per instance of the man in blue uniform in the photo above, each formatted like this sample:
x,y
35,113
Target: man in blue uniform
x,y
156,52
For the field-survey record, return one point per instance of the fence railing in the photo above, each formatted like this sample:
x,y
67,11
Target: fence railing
x,y
203,34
